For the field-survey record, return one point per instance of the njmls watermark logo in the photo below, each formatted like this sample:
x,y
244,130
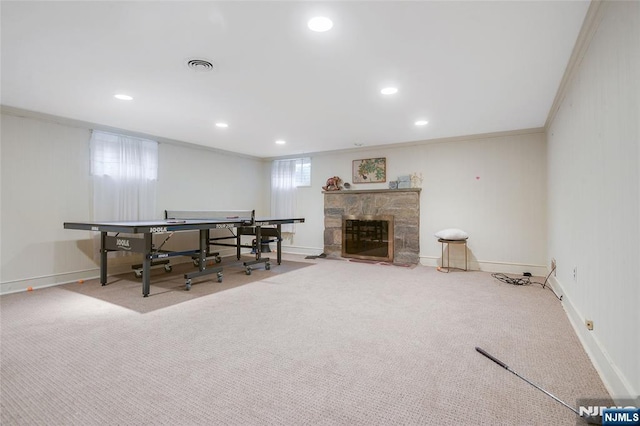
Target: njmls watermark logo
x,y
621,416
607,413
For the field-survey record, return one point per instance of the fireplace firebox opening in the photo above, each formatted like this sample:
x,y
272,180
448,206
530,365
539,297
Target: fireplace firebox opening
x,y
368,237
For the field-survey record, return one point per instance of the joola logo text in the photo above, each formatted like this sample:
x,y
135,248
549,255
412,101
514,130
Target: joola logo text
x,y
157,229
123,243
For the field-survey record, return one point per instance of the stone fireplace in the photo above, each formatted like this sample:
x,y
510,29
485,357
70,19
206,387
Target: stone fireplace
x,y
368,237
399,209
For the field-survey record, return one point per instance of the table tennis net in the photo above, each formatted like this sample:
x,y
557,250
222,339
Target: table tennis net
x,y
245,215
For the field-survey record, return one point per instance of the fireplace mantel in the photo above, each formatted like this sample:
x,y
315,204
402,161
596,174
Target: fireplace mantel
x,y
402,204
370,191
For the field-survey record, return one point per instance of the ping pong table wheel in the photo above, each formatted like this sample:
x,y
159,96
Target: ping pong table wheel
x,y
196,261
167,268
248,270
218,259
138,273
187,285
267,266
219,277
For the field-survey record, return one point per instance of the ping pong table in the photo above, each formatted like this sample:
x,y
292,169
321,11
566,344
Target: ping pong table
x,y
243,222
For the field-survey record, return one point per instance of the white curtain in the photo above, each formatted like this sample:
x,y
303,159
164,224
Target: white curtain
x,y
283,191
125,172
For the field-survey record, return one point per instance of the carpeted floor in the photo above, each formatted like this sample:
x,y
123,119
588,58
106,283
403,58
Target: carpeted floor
x,y
168,289
334,343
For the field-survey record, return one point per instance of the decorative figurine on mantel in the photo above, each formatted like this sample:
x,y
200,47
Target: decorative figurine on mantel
x,y
416,179
333,184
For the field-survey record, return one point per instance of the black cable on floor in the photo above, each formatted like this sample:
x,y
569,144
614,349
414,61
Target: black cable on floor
x,y
525,280
510,280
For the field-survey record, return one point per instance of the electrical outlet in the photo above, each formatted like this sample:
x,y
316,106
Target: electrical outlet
x,y
553,266
575,273
589,324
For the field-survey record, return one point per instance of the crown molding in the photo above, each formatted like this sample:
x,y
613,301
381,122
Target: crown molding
x,y
589,27
18,112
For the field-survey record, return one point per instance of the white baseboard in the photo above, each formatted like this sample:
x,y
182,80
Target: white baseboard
x,y
307,251
33,283
617,385
489,266
24,284
434,261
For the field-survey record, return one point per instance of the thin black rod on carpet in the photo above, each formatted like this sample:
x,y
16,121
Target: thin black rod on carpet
x,y
589,419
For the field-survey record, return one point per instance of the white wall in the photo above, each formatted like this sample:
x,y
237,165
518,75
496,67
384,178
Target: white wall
x,y
493,187
45,172
45,182
594,197
194,178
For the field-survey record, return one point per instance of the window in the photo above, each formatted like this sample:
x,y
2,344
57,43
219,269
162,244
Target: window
x,y
303,171
123,157
286,176
124,171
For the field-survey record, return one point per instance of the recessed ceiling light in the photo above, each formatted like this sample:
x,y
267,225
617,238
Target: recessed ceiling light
x,y
389,90
281,142
421,123
123,97
222,125
320,24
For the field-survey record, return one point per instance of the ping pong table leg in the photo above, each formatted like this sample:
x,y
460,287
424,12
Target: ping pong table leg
x,y
279,243
204,243
258,247
203,252
103,258
238,242
258,242
146,264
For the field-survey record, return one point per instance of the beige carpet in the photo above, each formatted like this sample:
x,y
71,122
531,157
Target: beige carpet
x,y
168,289
335,343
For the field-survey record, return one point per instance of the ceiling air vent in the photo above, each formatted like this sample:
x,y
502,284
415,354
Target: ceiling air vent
x,y
200,65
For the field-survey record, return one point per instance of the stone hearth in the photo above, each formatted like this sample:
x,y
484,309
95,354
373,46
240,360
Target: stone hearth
x,y
402,204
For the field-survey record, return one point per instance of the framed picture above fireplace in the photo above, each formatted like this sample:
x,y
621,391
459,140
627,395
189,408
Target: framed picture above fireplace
x,y
370,170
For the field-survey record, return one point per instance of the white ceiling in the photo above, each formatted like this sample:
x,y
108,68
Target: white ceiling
x,y
467,67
